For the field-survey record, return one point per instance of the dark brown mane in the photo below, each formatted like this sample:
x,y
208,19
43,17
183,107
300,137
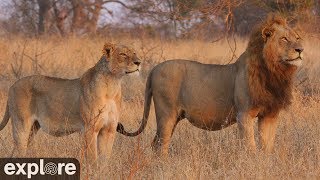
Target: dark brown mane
x,y
270,88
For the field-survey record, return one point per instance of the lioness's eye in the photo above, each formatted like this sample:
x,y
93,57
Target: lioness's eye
x,y
123,54
284,39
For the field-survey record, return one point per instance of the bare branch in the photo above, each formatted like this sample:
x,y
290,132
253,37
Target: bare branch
x,y
116,1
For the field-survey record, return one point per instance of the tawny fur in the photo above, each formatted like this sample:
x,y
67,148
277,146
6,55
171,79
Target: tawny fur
x,y
89,104
213,97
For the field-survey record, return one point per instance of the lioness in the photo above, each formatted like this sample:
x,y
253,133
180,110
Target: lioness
x,y
89,104
213,97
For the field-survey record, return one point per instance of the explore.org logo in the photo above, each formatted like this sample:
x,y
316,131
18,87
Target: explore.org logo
x,y
39,168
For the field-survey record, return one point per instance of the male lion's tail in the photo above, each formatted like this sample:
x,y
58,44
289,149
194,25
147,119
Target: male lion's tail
x,y
147,102
5,118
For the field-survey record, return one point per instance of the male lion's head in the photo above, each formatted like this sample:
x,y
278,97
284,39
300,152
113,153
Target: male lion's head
x,y
281,45
275,52
121,59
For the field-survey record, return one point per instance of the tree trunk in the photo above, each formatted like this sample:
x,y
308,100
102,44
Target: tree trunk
x,y
60,16
92,24
79,16
44,7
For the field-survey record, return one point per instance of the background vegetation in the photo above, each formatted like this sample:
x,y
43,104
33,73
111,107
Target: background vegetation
x,y
160,18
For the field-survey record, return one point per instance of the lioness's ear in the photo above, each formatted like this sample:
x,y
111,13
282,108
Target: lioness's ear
x,y
108,49
266,33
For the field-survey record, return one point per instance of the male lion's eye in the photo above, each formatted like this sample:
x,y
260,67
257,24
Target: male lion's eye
x,y
284,39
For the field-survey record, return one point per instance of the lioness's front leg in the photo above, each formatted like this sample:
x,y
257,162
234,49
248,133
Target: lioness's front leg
x,y
108,131
90,146
105,140
92,126
267,131
245,125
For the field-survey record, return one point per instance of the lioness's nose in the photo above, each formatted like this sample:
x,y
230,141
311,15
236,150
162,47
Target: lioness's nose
x,y
299,50
137,63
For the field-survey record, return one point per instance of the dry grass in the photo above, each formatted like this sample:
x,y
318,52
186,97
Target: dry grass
x,y
194,153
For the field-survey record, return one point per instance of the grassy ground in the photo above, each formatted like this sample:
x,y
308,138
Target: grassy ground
x,y
194,153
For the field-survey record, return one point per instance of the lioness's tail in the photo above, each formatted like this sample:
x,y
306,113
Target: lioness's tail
x,y
5,118
147,102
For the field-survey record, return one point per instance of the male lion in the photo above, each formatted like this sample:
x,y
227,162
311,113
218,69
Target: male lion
x,y
213,97
89,104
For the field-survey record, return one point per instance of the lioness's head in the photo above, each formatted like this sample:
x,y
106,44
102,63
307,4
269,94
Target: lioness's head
x,y
282,45
122,59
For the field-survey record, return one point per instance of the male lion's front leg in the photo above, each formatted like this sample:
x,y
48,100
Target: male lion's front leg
x,y
267,131
245,125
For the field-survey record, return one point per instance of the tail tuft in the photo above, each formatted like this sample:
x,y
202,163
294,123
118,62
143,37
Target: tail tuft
x,y
120,128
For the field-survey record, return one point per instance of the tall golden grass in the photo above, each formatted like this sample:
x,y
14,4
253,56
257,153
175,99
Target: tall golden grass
x,y
194,153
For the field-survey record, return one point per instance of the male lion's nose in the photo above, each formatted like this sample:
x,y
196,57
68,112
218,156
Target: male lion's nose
x,y
137,63
299,50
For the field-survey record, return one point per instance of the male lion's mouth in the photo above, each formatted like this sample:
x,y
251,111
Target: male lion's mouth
x,y
128,72
295,62
295,59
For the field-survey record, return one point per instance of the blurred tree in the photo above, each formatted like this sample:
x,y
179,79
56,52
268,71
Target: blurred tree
x,y
211,19
189,16
62,16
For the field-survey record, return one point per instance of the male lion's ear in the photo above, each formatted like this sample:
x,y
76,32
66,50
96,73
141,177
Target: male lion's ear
x,y
108,49
266,33
299,31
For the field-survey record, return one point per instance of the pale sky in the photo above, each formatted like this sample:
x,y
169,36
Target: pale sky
x,y
118,12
